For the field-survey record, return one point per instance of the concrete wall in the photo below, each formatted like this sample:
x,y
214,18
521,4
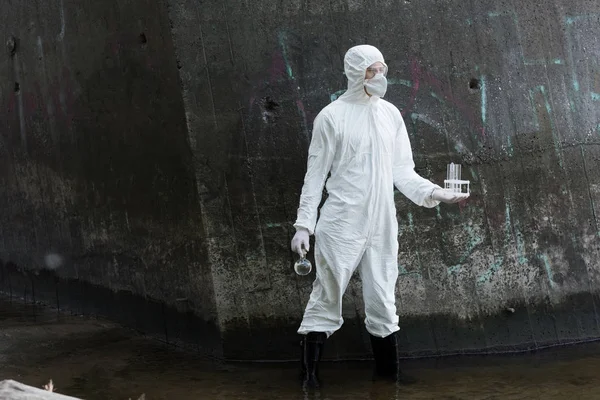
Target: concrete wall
x,y
195,183
97,179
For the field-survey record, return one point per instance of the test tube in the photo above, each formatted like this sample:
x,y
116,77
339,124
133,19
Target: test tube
x,y
453,175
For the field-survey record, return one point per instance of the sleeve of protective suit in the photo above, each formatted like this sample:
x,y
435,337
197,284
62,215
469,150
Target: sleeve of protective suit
x,y
408,182
320,158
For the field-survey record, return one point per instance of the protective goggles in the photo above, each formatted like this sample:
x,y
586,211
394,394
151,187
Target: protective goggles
x,y
374,70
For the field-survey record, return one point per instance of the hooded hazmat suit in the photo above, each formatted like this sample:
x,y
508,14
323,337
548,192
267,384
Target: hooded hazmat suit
x,y
362,141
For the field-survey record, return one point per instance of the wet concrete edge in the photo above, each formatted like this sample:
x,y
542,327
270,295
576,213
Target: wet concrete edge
x,y
179,328
524,327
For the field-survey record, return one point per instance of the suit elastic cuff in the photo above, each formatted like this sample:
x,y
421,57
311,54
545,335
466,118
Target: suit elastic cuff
x,y
302,227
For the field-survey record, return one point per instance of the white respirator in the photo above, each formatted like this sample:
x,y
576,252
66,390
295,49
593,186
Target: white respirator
x,y
377,85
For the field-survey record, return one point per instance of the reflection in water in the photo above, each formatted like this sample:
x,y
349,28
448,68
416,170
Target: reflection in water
x,y
93,359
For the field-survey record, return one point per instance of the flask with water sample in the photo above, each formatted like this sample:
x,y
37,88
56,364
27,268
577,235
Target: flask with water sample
x,y
303,266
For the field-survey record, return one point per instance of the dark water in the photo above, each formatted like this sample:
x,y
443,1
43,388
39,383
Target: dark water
x,y
93,359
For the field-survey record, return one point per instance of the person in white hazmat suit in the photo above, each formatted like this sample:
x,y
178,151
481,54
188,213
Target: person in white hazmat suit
x,y
362,141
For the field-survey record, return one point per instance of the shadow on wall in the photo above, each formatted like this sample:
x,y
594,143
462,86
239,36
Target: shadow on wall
x,y
130,151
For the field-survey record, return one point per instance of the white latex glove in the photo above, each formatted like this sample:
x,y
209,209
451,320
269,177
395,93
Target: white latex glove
x,y
448,196
300,242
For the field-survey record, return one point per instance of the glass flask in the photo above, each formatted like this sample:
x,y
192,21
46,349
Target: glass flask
x,y
303,266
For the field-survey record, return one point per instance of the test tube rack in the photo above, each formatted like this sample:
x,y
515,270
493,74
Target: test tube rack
x,y
453,179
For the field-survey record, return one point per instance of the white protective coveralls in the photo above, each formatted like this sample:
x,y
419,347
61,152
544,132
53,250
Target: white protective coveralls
x,y
363,142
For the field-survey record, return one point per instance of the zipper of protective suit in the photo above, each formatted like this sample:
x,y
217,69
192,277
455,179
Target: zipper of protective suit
x,y
374,139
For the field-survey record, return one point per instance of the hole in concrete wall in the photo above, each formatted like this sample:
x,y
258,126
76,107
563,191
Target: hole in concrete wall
x,y
142,38
17,87
270,105
270,109
474,84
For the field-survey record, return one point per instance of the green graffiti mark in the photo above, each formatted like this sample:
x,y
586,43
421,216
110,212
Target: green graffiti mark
x,y
273,225
454,269
337,94
411,225
284,49
509,145
474,241
483,99
507,224
288,67
435,96
403,271
535,62
548,268
483,82
474,174
569,21
416,117
534,108
595,96
543,61
520,247
487,275
403,82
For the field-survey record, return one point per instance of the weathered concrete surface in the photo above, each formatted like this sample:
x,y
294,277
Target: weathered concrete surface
x,y
507,89
150,190
97,179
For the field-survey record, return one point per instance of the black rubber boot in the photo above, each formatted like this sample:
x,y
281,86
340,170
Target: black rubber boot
x,y
387,366
312,350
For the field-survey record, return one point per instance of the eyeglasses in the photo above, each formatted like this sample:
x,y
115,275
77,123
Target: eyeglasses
x,y
372,71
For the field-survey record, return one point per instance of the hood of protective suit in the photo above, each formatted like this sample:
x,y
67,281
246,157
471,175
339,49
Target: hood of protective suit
x,y
356,62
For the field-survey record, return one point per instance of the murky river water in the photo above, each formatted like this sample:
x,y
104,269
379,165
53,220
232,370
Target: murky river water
x,y
93,359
